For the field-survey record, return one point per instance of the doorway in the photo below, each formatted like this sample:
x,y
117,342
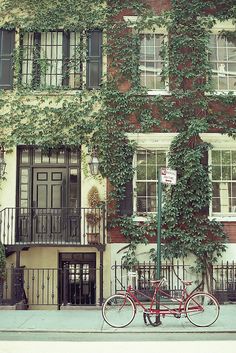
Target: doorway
x,y
49,188
78,279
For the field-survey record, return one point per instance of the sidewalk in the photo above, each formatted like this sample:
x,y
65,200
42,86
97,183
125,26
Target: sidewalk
x,y
83,320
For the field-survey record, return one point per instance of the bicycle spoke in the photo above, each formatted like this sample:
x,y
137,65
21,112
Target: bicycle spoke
x,y
118,310
202,309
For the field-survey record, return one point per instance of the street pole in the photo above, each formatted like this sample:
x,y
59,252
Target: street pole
x,y
159,206
158,261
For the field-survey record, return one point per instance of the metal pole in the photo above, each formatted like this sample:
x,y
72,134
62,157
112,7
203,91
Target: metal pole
x,y
159,202
158,263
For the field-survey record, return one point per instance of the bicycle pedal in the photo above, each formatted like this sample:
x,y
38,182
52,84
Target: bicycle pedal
x,y
177,316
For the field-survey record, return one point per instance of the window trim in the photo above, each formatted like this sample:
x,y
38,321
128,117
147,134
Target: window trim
x,y
216,29
149,141
131,23
219,142
8,57
84,63
162,141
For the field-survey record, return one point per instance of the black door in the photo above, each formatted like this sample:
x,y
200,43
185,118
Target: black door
x,y
49,201
78,280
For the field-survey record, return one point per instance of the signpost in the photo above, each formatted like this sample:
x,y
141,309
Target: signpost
x,y
165,176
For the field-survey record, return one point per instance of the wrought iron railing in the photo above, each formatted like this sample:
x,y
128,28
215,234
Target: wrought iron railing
x,y
224,275
31,287
56,226
146,272
223,278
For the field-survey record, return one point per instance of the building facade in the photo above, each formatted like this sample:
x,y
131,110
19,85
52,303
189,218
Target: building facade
x,y
54,225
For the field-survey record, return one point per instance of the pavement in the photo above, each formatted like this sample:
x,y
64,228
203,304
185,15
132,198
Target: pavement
x,y
90,320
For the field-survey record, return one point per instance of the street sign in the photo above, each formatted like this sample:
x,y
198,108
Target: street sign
x,y
168,176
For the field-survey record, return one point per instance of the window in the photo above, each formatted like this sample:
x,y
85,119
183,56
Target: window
x,y
6,54
55,59
148,164
151,62
222,58
224,181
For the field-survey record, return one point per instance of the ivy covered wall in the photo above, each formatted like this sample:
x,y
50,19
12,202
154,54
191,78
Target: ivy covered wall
x,y
53,117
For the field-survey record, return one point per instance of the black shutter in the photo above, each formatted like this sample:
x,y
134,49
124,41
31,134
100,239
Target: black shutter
x,y
66,58
36,73
126,205
94,59
7,39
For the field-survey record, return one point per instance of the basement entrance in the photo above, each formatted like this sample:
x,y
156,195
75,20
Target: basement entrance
x,y
78,279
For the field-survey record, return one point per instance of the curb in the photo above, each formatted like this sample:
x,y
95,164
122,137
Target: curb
x,y
117,331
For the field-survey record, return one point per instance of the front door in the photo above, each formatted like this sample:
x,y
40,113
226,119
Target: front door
x,y
78,286
49,201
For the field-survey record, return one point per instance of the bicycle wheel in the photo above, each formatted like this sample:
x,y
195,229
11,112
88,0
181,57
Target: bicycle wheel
x,y
118,310
202,309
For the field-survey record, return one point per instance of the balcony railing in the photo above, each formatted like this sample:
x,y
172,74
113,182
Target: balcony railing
x,y
52,226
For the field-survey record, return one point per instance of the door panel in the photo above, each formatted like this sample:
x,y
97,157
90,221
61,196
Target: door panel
x,y
48,203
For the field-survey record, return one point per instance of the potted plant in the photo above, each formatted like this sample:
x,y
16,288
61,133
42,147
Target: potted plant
x,y
93,215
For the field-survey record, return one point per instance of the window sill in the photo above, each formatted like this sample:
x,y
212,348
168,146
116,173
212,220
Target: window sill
x,y
217,218
55,92
159,93
220,93
225,218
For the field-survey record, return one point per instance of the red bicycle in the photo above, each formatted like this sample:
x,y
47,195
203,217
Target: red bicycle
x,y
201,308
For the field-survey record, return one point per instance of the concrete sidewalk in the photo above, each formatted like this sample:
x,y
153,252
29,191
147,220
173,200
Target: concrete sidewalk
x,y
83,320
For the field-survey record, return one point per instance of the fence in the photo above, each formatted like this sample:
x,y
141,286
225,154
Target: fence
x,y
49,286
78,285
173,272
224,278
52,226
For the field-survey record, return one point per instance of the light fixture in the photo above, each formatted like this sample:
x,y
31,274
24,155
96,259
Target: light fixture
x,y
94,163
2,163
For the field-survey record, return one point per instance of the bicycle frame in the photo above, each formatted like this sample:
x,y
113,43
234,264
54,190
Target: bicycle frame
x,y
120,309
156,307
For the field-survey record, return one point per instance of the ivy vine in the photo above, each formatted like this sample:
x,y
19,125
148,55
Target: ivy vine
x,y
51,118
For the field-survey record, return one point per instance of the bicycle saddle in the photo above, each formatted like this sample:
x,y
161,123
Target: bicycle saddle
x,y
187,283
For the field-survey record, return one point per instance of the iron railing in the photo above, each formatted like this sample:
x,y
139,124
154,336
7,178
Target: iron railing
x,y
225,281
224,278
31,287
55,226
146,271
79,285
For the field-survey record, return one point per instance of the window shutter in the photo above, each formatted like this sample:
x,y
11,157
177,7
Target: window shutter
x,y
7,39
126,205
36,61
94,59
66,58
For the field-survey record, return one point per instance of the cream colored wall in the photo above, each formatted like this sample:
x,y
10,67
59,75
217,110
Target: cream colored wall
x,y
48,258
8,186
87,180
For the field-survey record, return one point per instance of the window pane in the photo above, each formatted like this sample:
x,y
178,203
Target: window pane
x,y
141,189
226,173
151,62
225,191
5,71
151,205
151,173
148,164
216,173
222,58
216,157
141,205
